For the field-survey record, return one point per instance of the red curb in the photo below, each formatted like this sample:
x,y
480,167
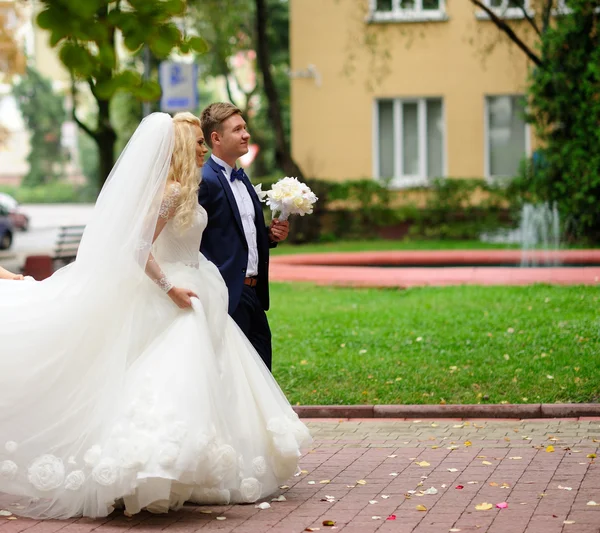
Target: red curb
x,y
334,411
488,411
566,410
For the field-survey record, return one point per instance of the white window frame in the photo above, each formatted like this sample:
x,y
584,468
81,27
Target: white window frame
x,y
505,12
486,133
399,180
399,14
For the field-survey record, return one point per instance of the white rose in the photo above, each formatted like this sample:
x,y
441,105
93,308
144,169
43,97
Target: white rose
x,y
92,456
74,480
46,473
178,432
168,454
251,489
105,473
8,470
223,460
11,446
259,466
134,454
226,456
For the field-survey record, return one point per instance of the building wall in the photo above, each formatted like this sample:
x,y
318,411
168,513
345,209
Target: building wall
x,y
332,124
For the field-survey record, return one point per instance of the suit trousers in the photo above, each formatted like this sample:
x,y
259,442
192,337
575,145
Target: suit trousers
x,y
250,316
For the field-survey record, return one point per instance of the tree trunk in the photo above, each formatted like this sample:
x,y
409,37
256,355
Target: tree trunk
x,y
105,138
283,156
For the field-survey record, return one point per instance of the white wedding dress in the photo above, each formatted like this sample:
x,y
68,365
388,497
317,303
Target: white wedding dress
x,y
110,394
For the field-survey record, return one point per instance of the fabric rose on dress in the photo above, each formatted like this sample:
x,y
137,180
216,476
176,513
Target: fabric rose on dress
x,y
259,466
168,455
75,480
92,456
8,469
46,473
11,446
250,489
105,473
178,432
134,455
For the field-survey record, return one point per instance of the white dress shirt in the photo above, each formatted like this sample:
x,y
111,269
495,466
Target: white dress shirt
x,y
246,209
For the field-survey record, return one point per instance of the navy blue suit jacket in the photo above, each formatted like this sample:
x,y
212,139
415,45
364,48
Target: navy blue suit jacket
x,y
224,242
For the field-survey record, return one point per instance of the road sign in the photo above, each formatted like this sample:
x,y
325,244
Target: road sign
x,y
179,84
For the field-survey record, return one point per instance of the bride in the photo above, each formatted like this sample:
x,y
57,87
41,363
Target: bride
x,y
110,393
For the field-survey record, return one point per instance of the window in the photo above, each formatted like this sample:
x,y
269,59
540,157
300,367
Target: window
x,y
506,8
407,10
507,135
409,140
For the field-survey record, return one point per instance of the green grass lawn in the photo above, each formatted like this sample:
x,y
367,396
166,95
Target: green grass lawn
x,y
385,245
433,345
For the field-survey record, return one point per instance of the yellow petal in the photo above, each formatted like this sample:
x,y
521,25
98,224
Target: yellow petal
x,y
487,463
591,455
325,481
549,449
421,508
361,482
468,443
484,506
423,463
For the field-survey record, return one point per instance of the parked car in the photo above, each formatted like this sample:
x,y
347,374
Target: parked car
x,y
19,219
6,229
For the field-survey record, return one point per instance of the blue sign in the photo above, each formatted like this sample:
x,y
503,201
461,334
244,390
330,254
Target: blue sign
x,y
179,84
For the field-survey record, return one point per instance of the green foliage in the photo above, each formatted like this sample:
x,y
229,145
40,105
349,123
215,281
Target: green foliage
x,y
88,158
565,108
460,208
44,114
57,192
86,35
357,209
228,28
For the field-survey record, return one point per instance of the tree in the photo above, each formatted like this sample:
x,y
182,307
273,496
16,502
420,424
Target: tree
x,y
565,108
230,28
283,155
43,112
12,58
87,33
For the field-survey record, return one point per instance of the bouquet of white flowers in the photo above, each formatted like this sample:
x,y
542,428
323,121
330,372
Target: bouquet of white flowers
x,y
289,197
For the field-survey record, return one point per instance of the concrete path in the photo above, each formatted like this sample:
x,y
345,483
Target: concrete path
x,y
401,476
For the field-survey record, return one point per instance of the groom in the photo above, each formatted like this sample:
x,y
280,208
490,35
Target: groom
x,y
236,238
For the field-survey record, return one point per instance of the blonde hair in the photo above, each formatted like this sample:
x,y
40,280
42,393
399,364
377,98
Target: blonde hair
x,y
213,116
183,168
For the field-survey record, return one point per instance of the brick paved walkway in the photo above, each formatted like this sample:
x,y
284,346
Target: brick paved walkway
x,y
362,474
352,269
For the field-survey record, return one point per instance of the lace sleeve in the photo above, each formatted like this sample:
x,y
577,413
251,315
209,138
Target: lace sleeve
x,y
167,210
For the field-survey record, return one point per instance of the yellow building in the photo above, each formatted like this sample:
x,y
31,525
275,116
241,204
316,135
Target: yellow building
x,y
407,90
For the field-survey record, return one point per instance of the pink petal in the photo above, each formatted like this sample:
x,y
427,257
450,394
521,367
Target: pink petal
x,y
391,517
502,505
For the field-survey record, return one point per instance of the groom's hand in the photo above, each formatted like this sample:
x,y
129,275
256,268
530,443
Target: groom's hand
x,y
279,229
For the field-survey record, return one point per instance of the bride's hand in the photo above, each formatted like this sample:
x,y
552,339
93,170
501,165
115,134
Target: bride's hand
x,y
182,297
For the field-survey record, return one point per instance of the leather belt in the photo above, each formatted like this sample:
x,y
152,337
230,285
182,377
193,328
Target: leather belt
x,y
251,282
